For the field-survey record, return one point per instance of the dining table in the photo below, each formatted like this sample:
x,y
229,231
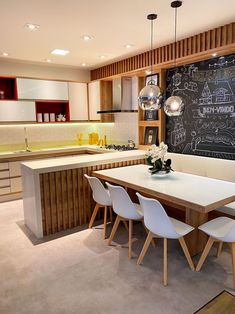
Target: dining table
x,y
197,195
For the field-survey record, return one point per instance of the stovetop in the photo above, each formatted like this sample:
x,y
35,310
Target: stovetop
x,y
120,147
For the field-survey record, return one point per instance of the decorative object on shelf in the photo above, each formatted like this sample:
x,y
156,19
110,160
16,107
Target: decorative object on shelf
x,y
174,105
39,117
46,117
59,117
150,96
156,159
63,118
52,117
2,94
150,137
150,115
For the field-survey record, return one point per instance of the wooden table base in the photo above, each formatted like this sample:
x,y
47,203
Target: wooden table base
x,y
196,240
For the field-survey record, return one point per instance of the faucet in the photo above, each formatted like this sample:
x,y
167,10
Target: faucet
x,y
26,141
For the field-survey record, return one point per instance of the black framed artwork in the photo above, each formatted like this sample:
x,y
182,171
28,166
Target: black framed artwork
x,y
150,136
154,77
150,115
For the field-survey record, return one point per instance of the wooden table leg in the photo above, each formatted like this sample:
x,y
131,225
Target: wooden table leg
x,y
196,240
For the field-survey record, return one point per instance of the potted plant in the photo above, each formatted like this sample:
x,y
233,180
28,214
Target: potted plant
x,y
156,159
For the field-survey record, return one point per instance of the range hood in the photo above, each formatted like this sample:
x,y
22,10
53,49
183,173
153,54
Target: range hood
x,y
125,95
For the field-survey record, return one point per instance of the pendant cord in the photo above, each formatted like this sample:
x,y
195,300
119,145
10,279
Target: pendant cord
x,y
151,49
175,33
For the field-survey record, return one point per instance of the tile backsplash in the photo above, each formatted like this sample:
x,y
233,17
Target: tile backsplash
x,y
40,135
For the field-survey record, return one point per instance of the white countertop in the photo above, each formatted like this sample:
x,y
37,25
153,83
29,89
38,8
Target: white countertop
x,y
71,162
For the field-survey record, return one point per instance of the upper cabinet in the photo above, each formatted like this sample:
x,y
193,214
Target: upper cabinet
x,y
41,89
94,100
78,103
17,111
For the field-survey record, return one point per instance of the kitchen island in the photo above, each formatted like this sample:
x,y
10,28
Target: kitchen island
x,y
57,196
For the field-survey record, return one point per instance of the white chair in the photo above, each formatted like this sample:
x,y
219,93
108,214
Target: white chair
x,y
102,198
125,209
160,225
227,209
220,229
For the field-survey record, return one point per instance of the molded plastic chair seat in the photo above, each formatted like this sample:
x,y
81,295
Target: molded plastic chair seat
x,y
102,198
219,229
227,209
125,209
159,224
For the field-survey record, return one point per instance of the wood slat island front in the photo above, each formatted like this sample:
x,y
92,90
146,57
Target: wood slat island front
x,y
58,197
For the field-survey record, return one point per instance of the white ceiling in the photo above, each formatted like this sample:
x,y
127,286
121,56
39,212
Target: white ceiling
x,y
112,24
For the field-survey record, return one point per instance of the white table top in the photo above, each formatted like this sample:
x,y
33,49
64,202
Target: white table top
x,y
196,192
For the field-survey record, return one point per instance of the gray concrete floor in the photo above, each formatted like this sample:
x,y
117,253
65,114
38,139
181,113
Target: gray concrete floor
x,y
79,273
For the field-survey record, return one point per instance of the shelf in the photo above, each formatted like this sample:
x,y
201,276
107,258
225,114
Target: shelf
x,y
8,89
57,107
149,123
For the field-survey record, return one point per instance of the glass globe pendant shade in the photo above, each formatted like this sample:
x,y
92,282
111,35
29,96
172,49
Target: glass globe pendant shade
x,y
174,106
150,97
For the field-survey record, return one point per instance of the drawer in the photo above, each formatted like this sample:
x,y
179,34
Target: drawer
x,y
6,190
14,168
16,185
4,182
4,165
4,174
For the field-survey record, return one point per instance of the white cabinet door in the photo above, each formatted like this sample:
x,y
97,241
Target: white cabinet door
x,y
41,89
17,111
78,104
94,100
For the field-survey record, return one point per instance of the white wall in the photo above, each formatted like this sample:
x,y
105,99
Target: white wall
x,y
44,71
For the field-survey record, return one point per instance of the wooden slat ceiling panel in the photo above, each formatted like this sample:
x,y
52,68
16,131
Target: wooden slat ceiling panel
x,y
219,37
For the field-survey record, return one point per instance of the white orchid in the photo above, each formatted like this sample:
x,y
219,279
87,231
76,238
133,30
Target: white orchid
x,y
155,158
156,152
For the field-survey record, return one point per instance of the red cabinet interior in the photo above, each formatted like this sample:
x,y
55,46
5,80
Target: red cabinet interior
x,y
57,107
8,90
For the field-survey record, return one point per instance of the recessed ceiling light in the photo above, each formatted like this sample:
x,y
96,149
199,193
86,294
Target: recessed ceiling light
x,y
128,46
101,57
83,64
32,26
86,37
59,52
214,54
48,60
5,54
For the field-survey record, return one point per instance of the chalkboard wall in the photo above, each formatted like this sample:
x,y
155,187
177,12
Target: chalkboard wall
x,y
207,126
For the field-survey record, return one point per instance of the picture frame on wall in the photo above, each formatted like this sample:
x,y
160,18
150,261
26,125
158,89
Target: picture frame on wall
x,y
150,136
150,115
154,77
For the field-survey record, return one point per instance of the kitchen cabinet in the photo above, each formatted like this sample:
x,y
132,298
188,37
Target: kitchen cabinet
x,y
10,179
17,111
41,89
8,89
94,100
78,102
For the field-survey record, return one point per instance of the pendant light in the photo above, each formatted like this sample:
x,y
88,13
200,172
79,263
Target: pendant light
x,y
174,105
150,96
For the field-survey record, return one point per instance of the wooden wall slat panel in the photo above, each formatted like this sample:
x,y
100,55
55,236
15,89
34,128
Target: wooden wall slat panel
x,y
66,197
216,38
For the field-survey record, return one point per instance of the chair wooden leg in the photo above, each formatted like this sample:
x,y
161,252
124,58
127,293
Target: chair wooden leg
x,y
220,246
186,253
111,214
97,206
126,226
130,238
114,229
233,261
152,241
145,248
105,221
165,280
205,253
